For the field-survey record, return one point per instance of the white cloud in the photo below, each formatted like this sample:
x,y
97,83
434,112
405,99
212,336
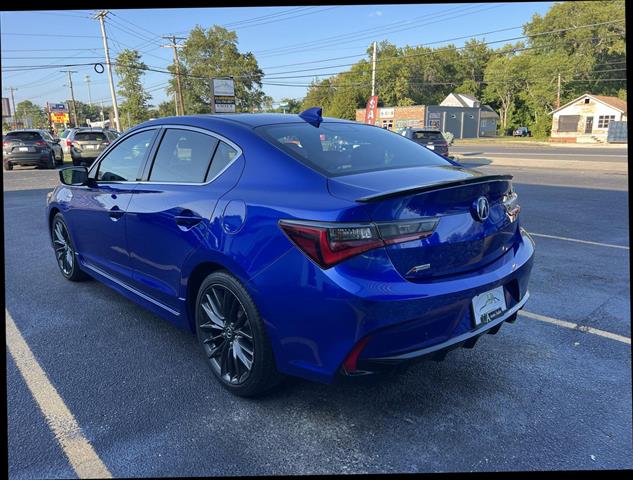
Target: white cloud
x,y
377,13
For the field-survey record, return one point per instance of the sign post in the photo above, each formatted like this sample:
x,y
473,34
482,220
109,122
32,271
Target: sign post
x,y
371,111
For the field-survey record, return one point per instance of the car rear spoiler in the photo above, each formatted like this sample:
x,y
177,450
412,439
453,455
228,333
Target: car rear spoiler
x,y
430,188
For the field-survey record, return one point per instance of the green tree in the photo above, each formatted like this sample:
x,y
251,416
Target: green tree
x,y
27,111
213,53
130,70
166,109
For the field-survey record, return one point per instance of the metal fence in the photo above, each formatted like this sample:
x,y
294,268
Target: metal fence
x,y
617,132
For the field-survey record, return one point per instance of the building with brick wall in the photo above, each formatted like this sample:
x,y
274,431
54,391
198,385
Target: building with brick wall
x,y
395,118
586,119
462,115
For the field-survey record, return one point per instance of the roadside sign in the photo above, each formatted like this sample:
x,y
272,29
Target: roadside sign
x,y
371,111
59,117
6,107
223,87
223,95
58,107
224,104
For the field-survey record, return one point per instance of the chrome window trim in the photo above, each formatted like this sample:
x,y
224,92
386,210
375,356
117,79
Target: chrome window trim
x,y
217,136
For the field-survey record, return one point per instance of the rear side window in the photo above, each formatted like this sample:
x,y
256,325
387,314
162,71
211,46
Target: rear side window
x,y
347,148
90,137
23,136
224,155
183,156
123,162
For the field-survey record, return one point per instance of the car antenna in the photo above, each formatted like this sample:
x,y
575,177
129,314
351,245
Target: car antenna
x,y
312,115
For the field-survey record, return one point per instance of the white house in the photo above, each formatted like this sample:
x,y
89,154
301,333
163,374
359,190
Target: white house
x,y
586,119
460,100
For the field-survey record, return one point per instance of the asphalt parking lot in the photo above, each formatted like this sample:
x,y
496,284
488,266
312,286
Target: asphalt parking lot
x,y
537,396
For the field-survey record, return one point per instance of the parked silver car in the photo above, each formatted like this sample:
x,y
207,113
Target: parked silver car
x,y
86,144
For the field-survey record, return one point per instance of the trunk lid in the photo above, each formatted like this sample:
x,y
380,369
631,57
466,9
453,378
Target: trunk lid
x,y
90,142
462,240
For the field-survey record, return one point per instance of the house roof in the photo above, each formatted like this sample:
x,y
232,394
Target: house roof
x,y
464,99
614,102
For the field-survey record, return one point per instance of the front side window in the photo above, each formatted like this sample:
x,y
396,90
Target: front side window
x,y
183,156
347,148
122,163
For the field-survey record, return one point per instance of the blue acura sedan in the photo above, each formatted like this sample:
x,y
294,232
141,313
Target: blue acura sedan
x,y
296,244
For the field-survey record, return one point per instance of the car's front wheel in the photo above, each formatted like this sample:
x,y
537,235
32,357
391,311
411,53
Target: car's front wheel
x,y
8,166
64,250
232,334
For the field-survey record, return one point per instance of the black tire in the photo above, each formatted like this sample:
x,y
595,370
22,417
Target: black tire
x,y
61,159
50,163
65,255
225,338
8,166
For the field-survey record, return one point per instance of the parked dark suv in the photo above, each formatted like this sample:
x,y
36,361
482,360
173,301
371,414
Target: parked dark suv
x,y
86,144
31,148
431,138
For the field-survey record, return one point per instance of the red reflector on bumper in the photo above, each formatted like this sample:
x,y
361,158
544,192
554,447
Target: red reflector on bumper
x,y
349,365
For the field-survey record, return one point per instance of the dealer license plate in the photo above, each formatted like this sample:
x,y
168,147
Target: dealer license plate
x,y
489,306
23,149
90,147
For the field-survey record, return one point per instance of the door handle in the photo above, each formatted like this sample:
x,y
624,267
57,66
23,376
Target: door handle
x,y
115,213
187,219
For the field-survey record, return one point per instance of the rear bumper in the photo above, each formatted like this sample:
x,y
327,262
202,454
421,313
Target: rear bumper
x,y
439,350
26,158
316,317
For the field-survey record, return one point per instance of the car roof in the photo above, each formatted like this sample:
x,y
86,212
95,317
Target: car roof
x,y
32,130
251,120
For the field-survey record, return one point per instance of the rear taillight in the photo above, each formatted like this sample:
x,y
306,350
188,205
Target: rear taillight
x,y
68,142
40,143
330,243
511,205
5,144
105,144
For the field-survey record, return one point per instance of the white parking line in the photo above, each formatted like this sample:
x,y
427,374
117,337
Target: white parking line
x,y
61,421
610,245
575,326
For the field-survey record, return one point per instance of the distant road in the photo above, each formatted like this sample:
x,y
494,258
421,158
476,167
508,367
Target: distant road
x,y
543,152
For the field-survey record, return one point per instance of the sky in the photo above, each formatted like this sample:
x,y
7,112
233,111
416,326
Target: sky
x,y
283,39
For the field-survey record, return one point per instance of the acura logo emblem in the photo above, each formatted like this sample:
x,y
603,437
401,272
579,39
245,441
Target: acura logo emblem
x,y
482,209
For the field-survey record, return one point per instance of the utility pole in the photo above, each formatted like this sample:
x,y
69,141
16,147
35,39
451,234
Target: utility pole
x,y
176,46
87,80
373,72
101,16
558,93
72,94
15,120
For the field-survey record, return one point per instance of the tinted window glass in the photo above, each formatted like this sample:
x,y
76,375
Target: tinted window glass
x,y
24,136
344,148
183,156
90,137
123,162
224,155
64,134
422,135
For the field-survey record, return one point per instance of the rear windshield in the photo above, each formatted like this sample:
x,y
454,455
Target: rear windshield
x,y
23,136
344,148
90,137
422,135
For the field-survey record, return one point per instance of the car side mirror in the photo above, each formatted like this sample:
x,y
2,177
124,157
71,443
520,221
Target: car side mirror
x,y
74,176
56,140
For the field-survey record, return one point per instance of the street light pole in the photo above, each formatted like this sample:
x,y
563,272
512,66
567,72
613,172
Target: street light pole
x,y
87,79
101,16
72,94
373,72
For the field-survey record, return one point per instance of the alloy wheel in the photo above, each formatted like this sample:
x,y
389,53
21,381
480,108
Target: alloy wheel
x,y
226,334
63,249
